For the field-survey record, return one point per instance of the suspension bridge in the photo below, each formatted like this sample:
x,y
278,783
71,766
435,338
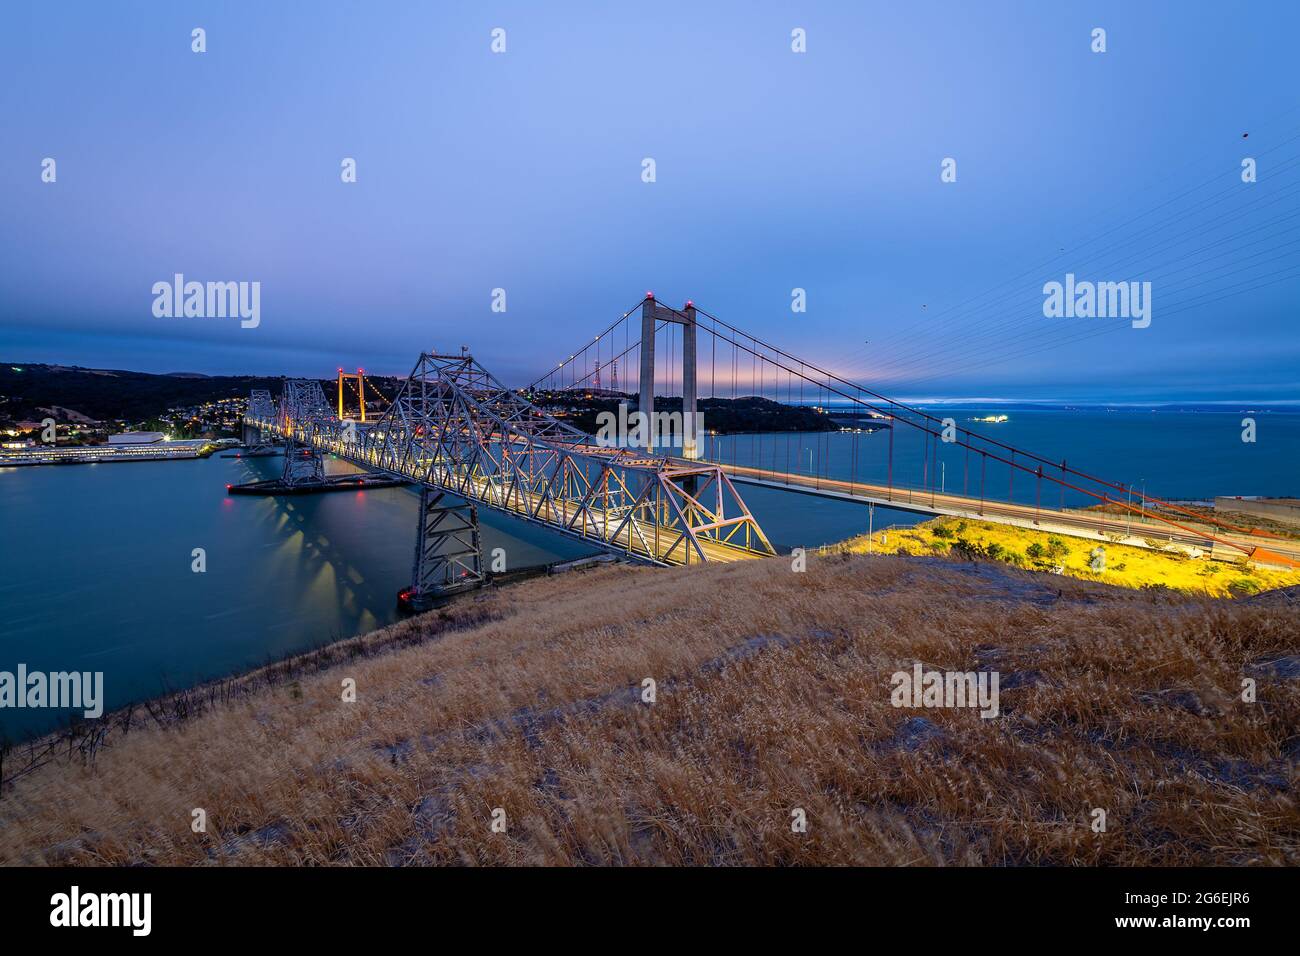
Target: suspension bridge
x,y
457,432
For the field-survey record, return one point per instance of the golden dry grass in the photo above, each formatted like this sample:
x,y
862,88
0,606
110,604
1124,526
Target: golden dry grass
x,y
773,693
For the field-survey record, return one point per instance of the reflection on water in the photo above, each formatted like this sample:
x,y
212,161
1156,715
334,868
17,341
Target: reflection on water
x,y
95,570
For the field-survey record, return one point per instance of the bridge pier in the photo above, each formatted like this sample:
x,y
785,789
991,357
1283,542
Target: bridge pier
x,y
302,469
448,557
255,441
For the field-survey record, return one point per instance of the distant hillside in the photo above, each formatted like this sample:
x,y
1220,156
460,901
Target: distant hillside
x,y
111,394
723,415
108,394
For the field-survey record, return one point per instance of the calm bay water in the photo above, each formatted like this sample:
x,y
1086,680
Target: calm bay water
x,y
95,570
95,559
1176,455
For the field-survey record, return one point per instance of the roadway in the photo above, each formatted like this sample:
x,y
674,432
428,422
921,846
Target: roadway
x,y
1088,524
660,543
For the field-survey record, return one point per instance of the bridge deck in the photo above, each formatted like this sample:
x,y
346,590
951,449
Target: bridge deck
x,y
664,544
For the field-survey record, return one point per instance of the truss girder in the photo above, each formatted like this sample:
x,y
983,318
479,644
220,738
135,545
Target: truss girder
x,y
454,428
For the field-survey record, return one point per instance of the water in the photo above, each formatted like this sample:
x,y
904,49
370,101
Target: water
x,y
95,560
1176,455
95,571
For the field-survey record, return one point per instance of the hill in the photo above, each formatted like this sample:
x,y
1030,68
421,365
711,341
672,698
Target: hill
x,y
113,394
26,391
772,694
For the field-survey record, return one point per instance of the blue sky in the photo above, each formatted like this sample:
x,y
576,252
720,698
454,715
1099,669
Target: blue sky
x,y
775,170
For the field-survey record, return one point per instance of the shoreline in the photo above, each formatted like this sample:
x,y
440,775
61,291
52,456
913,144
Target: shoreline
x,y
176,706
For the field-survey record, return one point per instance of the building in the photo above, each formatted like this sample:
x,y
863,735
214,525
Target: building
x,y
48,454
136,438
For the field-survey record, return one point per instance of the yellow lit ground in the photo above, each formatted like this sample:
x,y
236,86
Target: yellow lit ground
x,y
1125,565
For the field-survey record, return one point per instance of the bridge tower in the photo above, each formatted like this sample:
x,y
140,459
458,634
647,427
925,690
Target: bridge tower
x,y
653,313
359,376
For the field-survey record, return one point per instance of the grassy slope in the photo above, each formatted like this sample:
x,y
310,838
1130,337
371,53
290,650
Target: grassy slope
x,y
773,693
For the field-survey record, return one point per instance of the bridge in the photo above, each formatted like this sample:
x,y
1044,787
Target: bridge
x,y
455,430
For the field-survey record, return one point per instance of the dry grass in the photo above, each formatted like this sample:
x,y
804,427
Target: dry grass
x,y
773,693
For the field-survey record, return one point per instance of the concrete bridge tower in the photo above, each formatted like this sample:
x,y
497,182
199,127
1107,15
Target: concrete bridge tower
x,y
653,313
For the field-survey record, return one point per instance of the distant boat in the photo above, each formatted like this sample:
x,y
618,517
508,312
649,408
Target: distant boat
x,y
993,419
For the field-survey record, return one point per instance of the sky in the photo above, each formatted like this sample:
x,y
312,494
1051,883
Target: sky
x,y
775,170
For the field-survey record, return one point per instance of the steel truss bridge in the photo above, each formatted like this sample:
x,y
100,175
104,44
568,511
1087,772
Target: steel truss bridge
x,y
454,429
